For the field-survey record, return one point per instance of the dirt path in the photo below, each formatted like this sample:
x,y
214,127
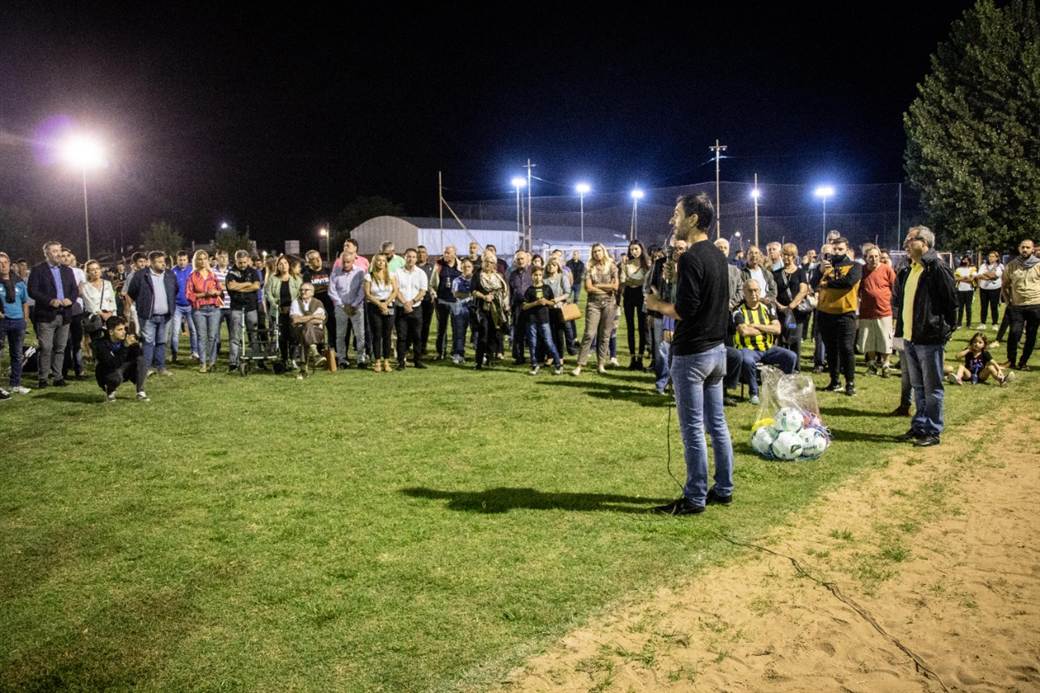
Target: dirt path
x,y
924,576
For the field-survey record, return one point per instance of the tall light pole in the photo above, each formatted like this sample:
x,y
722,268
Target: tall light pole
x,y
85,153
824,192
755,194
530,218
324,233
718,149
582,189
519,184
637,195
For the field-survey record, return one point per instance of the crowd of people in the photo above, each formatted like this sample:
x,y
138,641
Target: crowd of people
x,y
290,314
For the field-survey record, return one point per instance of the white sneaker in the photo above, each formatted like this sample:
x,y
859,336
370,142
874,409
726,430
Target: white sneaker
x,y
533,371
981,327
614,362
151,372
456,359
110,397
576,372
20,390
142,396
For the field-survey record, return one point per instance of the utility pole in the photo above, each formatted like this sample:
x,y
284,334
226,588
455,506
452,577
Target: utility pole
x,y
440,203
718,149
529,239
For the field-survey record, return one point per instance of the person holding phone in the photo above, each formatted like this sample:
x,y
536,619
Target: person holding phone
x,y
119,359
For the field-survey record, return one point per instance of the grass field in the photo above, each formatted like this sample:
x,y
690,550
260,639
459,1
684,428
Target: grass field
x,y
423,530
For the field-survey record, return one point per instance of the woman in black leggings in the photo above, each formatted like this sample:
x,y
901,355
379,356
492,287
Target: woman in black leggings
x,y
990,281
634,268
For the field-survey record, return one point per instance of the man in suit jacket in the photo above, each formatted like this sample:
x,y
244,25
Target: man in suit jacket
x,y
154,292
52,286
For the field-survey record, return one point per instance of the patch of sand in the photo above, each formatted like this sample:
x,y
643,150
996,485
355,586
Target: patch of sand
x,y
936,555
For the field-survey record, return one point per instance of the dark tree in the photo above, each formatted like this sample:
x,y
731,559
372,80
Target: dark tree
x,y
360,210
973,132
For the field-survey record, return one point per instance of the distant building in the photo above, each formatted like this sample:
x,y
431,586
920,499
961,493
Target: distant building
x,y
409,232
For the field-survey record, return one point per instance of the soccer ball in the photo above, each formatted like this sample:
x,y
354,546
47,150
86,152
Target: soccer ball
x,y
763,439
814,442
789,419
787,446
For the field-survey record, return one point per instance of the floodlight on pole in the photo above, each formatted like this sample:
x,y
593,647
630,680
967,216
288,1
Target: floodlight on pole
x,y
755,194
519,184
224,226
582,189
86,153
824,192
637,195
324,233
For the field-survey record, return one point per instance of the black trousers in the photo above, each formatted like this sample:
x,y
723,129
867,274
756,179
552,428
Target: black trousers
x,y
130,372
286,336
73,358
488,343
409,329
519,332
1023,319
427,309
964,301
379,327
443,320
635,319
557,327
990,299
839,336
791,337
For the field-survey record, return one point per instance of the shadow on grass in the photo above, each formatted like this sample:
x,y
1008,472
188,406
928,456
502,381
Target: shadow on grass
x,y
616,389
863,436
504,499
95,396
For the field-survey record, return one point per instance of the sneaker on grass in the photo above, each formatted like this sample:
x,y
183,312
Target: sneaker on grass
x,y
142,396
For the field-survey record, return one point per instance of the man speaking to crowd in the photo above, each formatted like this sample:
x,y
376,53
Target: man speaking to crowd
x,y
699,356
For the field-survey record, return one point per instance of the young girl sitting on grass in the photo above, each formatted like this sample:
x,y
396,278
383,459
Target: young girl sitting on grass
x,y
978,364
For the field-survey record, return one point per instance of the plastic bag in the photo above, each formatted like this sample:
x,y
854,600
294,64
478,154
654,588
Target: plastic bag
x,y
788,424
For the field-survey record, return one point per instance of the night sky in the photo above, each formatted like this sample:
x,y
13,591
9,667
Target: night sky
x,y
278,121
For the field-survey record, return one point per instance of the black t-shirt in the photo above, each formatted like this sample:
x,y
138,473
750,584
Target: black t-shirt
x,y
538,314
787,284
701,300
242,300
320,279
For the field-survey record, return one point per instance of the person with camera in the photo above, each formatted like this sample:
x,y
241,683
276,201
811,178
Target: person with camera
x,y
119,359
838,301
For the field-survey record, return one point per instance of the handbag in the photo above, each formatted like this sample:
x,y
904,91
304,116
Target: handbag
x,y
807,305
92,323
570,312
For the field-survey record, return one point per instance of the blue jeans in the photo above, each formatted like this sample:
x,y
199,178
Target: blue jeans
x,y
661,350
13,332
207,326
925,365
237,318
539,331
183,314
697,379
784,359
461,318
153,336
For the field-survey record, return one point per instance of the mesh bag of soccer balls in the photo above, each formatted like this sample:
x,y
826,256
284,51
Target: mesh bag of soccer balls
x,y
788,424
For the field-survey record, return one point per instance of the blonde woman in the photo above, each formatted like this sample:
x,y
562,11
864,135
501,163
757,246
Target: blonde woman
x,y
560,283
380,292
98,296
601,284
206,295
280,290
491,305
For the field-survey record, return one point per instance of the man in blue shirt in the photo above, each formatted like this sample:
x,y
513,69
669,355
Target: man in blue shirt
x,y
52,286
182,311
